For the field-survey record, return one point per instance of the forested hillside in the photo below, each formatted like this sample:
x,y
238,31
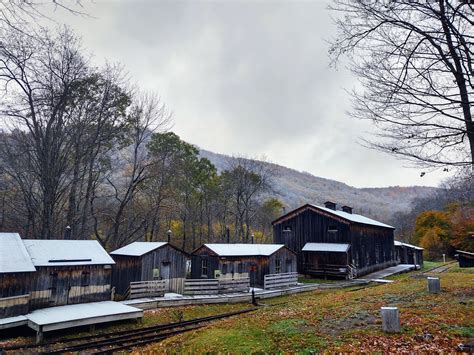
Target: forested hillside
x,y
294,188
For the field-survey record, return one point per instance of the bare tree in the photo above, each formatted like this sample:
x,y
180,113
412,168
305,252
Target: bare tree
x,y
119,222
414,60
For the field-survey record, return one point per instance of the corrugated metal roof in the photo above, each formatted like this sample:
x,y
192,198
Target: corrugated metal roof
x,y
244,249
138,248
397,243
331,247
66,252
13,254
357,218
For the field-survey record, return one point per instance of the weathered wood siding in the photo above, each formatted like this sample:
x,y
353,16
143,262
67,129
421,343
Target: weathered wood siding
x,y
241,265
169,263
12,287
62,285
407,255
371,247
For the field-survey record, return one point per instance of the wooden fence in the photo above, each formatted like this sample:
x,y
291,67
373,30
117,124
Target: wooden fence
x,y
241,284
175,285
142,289
194,287
272,281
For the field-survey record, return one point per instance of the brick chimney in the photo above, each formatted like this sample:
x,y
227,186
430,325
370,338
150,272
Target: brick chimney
x,y
330,205
347,209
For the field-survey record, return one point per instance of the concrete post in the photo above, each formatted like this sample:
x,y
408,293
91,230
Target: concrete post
x,y
390,319
39,335
434,285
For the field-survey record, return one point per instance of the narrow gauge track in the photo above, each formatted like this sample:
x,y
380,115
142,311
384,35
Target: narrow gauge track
x,y
121,340
441,268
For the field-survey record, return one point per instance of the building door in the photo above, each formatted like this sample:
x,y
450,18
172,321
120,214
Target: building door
x,y
165,270
60,287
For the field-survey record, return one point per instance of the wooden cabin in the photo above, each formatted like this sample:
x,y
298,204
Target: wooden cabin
x,y
335,242
241,260
465,258
16,269
68,272
146,261
42,273
408,254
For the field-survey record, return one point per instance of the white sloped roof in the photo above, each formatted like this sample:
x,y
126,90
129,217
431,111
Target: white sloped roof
x,y
397,243
331,247
244,249
13,254
66,252
138,248
357,218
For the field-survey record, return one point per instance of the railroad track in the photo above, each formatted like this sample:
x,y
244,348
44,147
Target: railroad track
x,y
121,340
441,268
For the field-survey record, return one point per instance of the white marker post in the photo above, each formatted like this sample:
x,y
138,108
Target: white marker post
x,y
390,319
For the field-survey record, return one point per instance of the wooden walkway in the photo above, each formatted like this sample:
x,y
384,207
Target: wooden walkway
x,y
378,276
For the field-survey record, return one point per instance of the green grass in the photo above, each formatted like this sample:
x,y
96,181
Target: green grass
x,y
345,320
431,264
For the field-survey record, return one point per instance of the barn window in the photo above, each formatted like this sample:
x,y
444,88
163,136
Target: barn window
x,y
277,266
332,229
85,278
204,267
287,229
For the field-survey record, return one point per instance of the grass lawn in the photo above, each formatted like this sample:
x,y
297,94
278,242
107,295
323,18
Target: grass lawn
x,y
346,320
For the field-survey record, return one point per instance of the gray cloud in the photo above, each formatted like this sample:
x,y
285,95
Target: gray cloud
x,y
247,77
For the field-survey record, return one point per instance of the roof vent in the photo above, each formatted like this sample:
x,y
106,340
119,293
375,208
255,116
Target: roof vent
x,y
347,209
330,205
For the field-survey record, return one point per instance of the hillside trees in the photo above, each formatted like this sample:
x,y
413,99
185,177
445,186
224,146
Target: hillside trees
x,y
414,60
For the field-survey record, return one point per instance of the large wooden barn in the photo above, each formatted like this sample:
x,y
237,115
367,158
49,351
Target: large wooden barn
x,y
408,254
335,242
16,269
43,273
146,261
241,260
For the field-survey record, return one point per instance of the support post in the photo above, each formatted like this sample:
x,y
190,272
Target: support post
x,y
390,319
39,335
434,285
92,328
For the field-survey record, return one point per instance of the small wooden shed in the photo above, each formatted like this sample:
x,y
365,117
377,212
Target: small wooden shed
x,y
147,261
16,270
68,272
242,260
408,254
465,258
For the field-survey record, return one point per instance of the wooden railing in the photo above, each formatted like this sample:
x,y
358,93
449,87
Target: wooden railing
x,y
328,269
141,289
241,284
193,287
288,279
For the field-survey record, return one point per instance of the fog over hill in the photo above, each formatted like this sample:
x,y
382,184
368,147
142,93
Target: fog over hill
x,y
296,188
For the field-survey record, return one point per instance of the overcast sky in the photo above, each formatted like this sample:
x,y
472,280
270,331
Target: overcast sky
x,y
245,78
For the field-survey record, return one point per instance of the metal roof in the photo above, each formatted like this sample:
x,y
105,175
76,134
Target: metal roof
x,y
138,248
66,252
357,218
244,249
13,254
464,252
397,243
331,247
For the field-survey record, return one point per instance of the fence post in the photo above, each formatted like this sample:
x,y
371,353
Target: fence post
x,y
390,319
434,285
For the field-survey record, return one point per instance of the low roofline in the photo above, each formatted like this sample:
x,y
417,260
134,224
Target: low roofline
x,y
236,256
316,209
159,247
465,252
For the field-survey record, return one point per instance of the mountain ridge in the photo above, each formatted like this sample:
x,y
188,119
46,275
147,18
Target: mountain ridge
x,y
295,188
